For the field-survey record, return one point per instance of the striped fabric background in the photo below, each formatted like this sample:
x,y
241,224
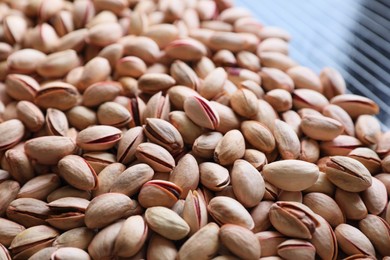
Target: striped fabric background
x,y
352,36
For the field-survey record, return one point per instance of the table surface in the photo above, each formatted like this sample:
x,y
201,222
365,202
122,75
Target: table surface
x,y
350,35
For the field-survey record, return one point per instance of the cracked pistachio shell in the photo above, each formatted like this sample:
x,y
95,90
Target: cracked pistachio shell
x,y
201,112
48,150
293,219
106,209
166,222
195,248
57,94
195,211
296,249
368,158
230,148
65,253
184,75
28,211
31,240
159,193
128,144
240,241
165,134
113,114
248,184
291,175
269,241
31,116
226,210
352,241
21,87
156,156
348,174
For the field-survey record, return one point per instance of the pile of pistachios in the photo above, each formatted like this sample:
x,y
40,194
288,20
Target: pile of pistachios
x,y
179,129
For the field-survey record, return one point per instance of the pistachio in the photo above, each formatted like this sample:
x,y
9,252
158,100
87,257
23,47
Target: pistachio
x,y
131,180
276,79
368,158
269,241
296,249
11,133
213,84
240,241
348,174
324,206
56,94
161,248
98,138
107,208
339,114
332,82
39,187
244,103
287,140
31,240
165,134
159,193
20,167
152,83
31,116
226,210
58,64
21,87
321,128
375,197
97,69
28,212
49,150
127,145
304,77
127,245
8,231
156,156
351,204
186,174
352,241
258,135
100,92
25,60
324,240
67,213
293,219
195,211
201,112
77,237
141,47
194,248
377,230
185,76
308,98
186,49
166,223
341,145
248,184
102,244
355,105
367,135
291,175
213,176
230,148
